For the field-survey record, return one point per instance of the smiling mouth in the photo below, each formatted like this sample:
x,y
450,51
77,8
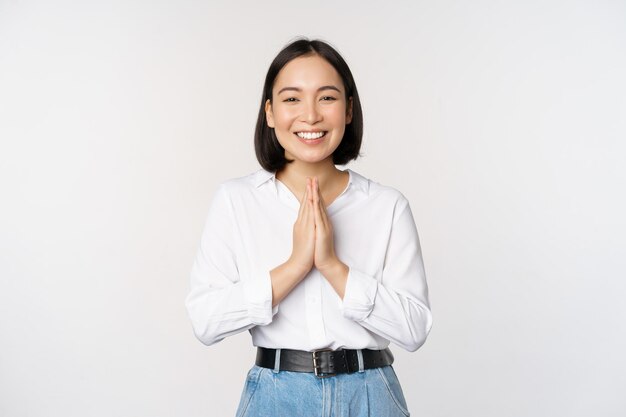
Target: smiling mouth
x,y
311,135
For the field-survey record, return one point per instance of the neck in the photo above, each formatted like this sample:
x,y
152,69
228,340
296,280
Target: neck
x,y
294,174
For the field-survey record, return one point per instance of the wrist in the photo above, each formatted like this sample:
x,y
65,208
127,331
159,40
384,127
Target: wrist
x,y
332,267
297,268
336,273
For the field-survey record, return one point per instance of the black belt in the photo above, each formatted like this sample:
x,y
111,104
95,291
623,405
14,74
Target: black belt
x,y
323,362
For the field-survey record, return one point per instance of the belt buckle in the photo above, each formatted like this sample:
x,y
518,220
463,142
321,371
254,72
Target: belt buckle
x,y
317,367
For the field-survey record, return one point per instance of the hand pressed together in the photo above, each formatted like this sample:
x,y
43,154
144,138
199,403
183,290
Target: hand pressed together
x,y
313,243
325,257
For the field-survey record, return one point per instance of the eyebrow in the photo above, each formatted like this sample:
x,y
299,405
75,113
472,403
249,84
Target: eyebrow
x,y
322,88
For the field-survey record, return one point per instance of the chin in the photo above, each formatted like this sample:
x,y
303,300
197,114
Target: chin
x,y
310,159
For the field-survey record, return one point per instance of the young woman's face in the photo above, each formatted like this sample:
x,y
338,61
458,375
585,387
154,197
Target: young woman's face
x,y
308,96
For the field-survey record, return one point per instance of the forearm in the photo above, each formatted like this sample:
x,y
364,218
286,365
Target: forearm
x,y
217,313
284,279
337,276
401,315
405,321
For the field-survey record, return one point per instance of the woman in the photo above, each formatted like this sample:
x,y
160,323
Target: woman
x,y
322,266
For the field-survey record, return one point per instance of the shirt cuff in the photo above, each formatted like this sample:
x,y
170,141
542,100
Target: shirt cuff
x,y
359,295
258,296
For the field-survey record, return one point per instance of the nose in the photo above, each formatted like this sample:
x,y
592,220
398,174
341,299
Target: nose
x,y
311,113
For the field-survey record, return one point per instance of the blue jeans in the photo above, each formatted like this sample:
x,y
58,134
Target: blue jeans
x,y
368,393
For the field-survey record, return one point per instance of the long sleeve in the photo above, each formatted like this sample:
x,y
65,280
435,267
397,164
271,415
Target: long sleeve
x,y
396,308
220,303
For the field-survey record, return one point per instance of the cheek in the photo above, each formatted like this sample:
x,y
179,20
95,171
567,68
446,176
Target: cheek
x,y
284,117
336,114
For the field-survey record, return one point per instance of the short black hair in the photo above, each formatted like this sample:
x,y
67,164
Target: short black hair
x,y
269,152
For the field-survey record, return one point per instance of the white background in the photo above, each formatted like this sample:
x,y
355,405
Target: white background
x,y
503,122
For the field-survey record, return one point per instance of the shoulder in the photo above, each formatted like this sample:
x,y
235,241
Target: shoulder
x,y
244,184
380,192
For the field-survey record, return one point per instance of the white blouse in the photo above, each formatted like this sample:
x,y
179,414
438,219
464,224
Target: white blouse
x,y
249,231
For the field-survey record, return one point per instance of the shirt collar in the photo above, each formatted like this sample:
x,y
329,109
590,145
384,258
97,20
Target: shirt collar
x,y
356,180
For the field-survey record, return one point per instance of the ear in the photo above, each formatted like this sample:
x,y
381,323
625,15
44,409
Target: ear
x,y
269,114
349,111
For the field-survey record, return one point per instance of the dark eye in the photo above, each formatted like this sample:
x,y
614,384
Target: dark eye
x,y
329,97
289,99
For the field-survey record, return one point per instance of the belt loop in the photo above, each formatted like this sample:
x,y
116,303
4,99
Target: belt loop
x,y
359,354
277,362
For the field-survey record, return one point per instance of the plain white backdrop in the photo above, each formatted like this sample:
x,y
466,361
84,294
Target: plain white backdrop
x,y
503,122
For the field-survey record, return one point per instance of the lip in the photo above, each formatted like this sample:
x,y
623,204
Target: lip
x,y
310,131
312,141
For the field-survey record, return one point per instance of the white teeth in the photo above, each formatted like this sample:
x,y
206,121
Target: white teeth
x,y
307,135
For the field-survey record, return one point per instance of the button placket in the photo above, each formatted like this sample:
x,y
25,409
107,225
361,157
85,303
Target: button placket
x,y
315,318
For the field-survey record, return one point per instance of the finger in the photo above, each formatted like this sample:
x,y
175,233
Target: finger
x,y
303,201
314,189
324,210
308,216
320,204
312,193
305,194
316,204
